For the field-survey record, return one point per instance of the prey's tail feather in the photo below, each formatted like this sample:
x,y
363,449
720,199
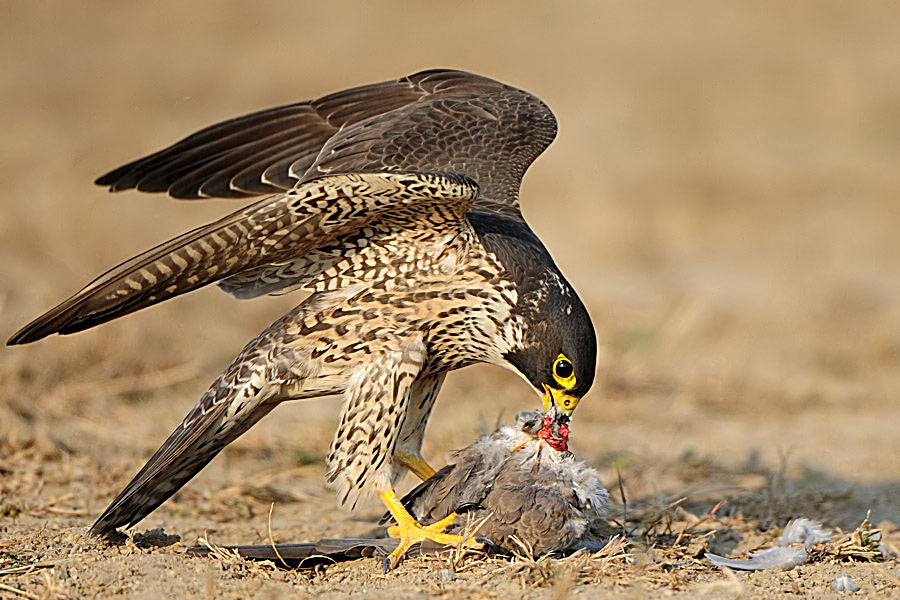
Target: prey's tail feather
x,y
309,554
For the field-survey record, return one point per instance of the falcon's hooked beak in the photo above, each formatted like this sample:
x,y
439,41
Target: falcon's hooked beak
x,y
563,403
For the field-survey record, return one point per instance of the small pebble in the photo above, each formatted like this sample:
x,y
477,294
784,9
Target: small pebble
x,y
446,575
843,583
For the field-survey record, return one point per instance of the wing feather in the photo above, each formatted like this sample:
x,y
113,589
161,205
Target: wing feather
x,y
268,231
211,141
438,120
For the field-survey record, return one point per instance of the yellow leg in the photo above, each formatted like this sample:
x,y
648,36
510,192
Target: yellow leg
x,y
416,464
411,531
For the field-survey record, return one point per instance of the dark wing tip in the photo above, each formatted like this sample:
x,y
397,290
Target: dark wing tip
x,y
53,321
107,524
103,529
65,318
123,512
120,178
23,336
130,506
107,179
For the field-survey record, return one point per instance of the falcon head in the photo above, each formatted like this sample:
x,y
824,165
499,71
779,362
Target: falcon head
x,y
557,351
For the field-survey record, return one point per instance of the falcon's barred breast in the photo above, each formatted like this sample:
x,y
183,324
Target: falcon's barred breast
x,y
394,207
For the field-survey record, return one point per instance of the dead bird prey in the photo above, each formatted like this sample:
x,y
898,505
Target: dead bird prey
x,y
521,480
524,481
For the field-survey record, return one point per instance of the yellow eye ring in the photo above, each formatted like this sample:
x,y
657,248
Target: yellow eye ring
x,y
564,372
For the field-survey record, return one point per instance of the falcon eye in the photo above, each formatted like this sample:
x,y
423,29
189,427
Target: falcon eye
x,y
563,370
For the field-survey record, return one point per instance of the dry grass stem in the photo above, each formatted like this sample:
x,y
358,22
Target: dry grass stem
x,y
272,538
17,591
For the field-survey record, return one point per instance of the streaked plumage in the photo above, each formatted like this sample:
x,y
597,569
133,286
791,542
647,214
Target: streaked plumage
x,y
396,208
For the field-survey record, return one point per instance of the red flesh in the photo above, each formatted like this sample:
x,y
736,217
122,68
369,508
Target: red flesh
x,y
559,439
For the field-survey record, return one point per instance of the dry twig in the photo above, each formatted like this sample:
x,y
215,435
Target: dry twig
x,y
17,591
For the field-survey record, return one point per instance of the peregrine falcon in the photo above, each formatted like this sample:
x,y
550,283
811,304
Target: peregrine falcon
x,y
395,207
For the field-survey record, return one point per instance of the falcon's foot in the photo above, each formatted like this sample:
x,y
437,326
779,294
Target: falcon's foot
x,y
416,464
411,531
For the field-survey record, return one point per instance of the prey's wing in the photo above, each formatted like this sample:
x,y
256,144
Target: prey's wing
x,y
270,230
453,487
438,120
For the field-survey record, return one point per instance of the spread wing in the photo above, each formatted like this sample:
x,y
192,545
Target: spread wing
x,y
270,230
438,120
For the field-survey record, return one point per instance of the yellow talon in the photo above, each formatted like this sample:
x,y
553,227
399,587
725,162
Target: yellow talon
x,y
411,531
437,528
416,464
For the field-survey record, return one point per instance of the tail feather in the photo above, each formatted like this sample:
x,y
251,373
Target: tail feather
x,y
310,554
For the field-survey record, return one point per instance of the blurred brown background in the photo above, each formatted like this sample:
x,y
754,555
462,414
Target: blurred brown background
x,y
724,193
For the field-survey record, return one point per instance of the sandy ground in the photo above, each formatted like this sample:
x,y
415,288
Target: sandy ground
x,y
723,193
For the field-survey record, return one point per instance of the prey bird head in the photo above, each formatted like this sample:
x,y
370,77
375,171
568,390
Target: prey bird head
x,y
545,426
558,350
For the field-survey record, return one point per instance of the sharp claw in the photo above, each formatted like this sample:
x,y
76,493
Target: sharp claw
x,y
411,531
386,565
